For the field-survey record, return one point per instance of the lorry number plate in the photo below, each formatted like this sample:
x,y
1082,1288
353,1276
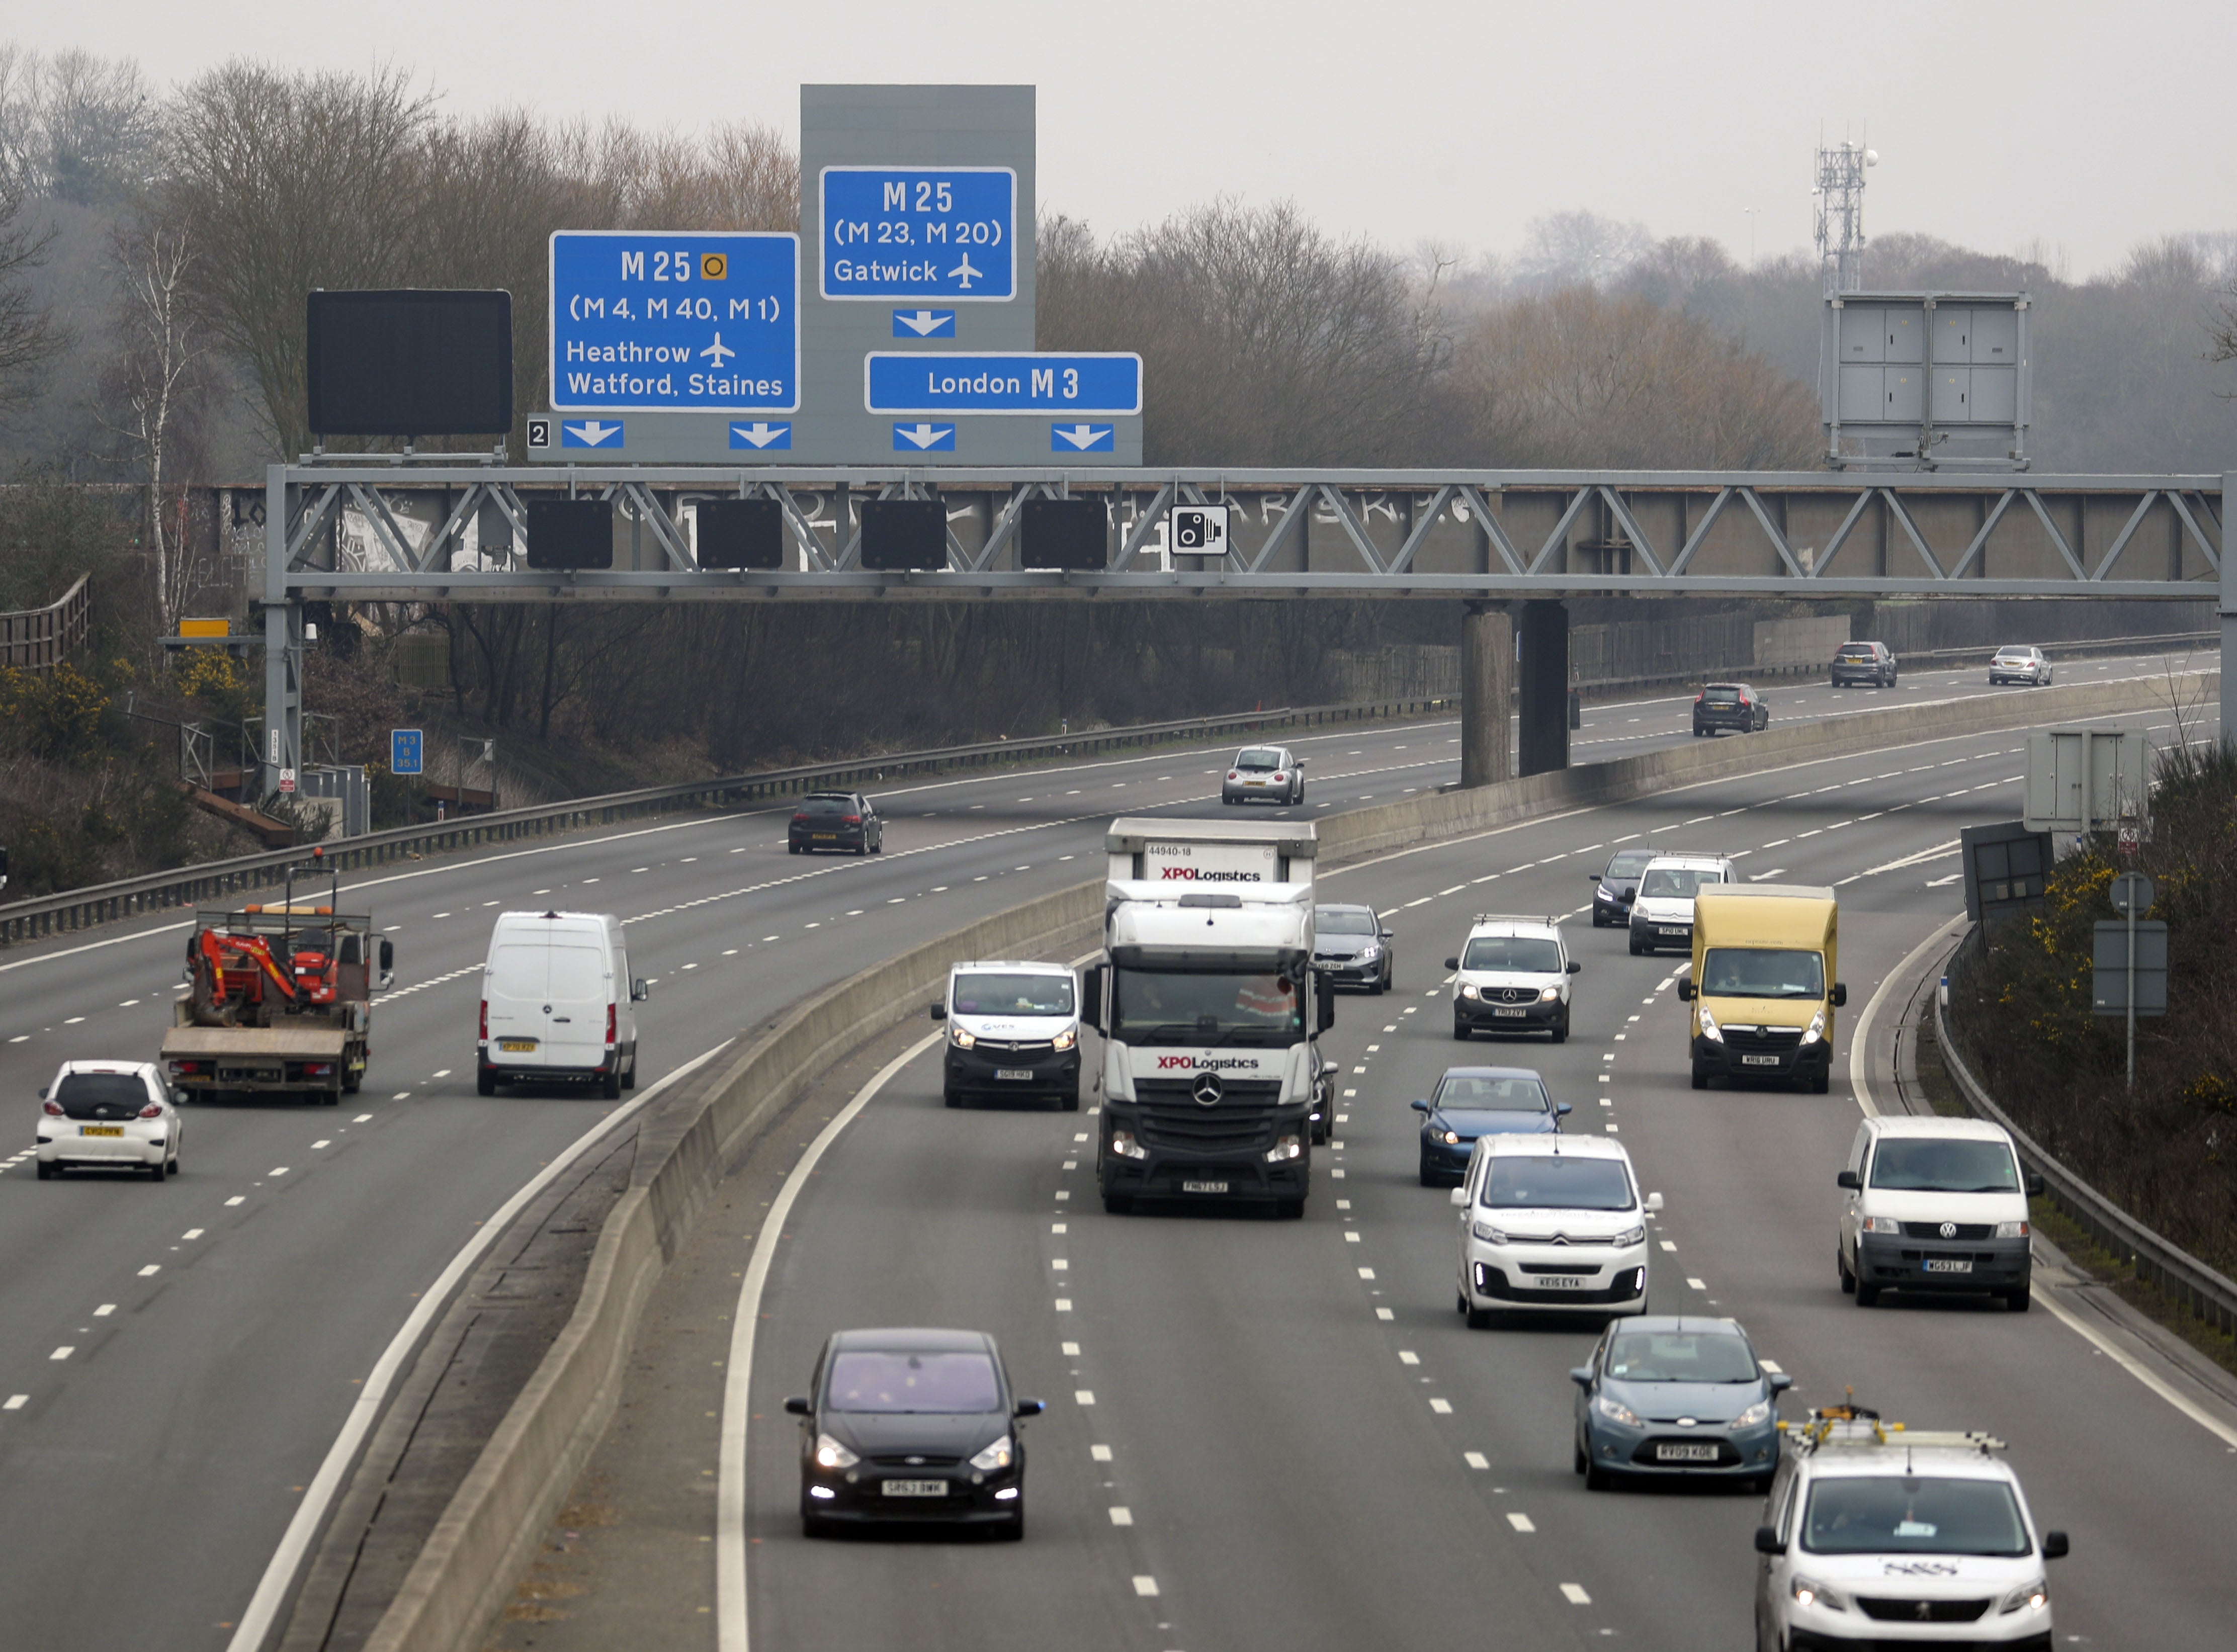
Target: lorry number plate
x,y
1204,1187
101,1129
1758,1060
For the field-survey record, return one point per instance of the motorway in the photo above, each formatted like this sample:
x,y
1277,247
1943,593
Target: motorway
x,y
179,1358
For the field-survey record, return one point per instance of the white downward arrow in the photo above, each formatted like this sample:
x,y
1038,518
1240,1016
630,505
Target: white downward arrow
x,y
1080,436
922,322
595,432
760,435
922,435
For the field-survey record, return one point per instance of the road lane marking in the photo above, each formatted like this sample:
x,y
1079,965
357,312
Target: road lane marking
x,y
1145,1586
1099,1453
62,1352
104,1311
1475,1459
151,1270
1122,1515
1575,1594
15,1403
1519,1521
1064,1305
1083,1396
1442,1407
1408,1357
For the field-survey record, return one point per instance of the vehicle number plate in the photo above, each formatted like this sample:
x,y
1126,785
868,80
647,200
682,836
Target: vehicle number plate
x,y
515,1046
1204,1187
916,1487
826,837
1013,1073
1661,931
101,1129
1948,1264
1517,1014
1562,1281
1704,1453
1758,1060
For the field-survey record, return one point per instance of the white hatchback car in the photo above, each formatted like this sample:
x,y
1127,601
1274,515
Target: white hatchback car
x,y
1662,915
1880,1536
1551,1223
118,1115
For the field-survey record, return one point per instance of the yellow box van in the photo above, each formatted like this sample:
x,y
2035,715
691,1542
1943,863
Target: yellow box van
x,y
1762,987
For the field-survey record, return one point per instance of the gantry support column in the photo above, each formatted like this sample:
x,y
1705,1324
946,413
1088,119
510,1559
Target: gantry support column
x,y
1487,690
2228,608
1544,668
282,626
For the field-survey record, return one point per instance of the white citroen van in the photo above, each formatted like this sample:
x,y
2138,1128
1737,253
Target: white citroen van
x,y
558,1003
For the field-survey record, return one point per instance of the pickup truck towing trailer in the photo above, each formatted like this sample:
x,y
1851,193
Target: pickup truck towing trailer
x,y
279,999
1211,1083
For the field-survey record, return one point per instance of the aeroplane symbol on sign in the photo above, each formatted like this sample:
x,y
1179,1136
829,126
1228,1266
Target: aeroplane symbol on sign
x,y
718,352
965,271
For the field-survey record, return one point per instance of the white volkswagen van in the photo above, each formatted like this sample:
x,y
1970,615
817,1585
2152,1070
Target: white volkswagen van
x,y
558,1004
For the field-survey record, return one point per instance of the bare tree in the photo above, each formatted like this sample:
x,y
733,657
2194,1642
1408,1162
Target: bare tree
x,y
1566,248
156,377
29,338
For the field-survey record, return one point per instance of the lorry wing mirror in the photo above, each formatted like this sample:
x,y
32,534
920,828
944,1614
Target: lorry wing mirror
x,y
1452,963
1840,994
1459,1200
640,989
1686,991
1092,993
1849,1180
1324,1002
387,955
940,1011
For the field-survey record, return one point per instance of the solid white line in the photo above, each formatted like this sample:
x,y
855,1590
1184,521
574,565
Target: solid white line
x,y
1859,1041
263,1610
730,1620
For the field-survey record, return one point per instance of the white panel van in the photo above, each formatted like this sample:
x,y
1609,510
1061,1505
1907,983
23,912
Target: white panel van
x,y
558,1003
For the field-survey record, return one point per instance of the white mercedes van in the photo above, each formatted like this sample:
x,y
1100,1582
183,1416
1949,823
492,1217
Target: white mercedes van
x,y
558,1004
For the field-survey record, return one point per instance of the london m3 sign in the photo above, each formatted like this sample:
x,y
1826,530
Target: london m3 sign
x,y
909,232
941,382
684,322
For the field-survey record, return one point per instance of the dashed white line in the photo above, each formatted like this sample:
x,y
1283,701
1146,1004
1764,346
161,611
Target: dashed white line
x,y
1475,1459
1442,1407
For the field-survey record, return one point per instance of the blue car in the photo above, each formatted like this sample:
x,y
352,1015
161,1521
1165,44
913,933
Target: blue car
x,y
1677,1395
1473,1101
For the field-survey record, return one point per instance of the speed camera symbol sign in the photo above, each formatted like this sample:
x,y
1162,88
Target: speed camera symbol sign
x,y
1201,530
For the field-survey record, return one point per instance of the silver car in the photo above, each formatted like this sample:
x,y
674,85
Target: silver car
x,y
1265,775
109,1115
2014,664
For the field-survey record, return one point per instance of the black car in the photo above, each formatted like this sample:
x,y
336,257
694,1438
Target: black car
x,y
845,820
1870,663
904,1426
1352,949
1615,888
1729,705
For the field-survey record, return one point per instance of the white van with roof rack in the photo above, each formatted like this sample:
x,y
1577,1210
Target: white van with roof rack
x,y
1879,1536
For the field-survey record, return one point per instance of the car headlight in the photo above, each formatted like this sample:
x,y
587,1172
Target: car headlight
x,y
1488,1233
997,1456
1066,1040
1882,1225
1549,994
1122,1144
1816,1030
1450,1138
961,1040
1755,1416
1468,991
1808,1592
2011,1230
1287,1148
1632,1236
1709,1028
2028,1597
1617,1412
1370,952
1605,893
829,1454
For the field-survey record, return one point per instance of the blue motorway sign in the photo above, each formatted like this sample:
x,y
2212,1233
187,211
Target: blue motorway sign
x,y
1023,381
901,232
658,321
404,747
1083,438
922,438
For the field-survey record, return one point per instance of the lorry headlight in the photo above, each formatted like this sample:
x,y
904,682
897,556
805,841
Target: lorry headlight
x,y
1816,1030
1286,1148
961,1040
1709,1030
1122,1144
1065,1040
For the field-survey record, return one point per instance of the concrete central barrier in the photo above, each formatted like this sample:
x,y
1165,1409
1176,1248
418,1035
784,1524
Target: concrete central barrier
x,y
488,1535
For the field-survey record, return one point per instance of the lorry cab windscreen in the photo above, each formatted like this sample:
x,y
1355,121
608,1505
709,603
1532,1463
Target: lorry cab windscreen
x,y
1762,972
1187,1007
1523,955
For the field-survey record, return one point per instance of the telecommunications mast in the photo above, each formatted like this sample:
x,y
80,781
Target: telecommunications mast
x,y
1840,195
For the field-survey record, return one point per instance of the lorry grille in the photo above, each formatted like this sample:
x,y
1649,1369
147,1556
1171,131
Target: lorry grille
x,y
1242,1121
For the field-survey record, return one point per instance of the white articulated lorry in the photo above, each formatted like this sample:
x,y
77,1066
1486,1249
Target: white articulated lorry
x,y
1211,1083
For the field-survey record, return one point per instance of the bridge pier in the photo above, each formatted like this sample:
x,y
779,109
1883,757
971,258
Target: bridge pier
x,y
1544,724
2229,614
1487,687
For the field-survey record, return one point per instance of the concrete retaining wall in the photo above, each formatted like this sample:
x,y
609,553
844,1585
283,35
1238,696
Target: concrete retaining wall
x,y
488,1536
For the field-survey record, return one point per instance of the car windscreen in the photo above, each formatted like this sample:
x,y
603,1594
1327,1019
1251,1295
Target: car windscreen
x,y
864,1380
102,1095
1679,1357
1478,1093
1555,1181
1258,760
828,806
1337,920
1676,883
1938,1165
1912,1515
1211,1007
1519,953
1762,972
1721,696
1629,862
989,992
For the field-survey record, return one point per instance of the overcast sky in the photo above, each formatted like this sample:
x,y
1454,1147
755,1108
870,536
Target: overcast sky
x,y
2086,127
